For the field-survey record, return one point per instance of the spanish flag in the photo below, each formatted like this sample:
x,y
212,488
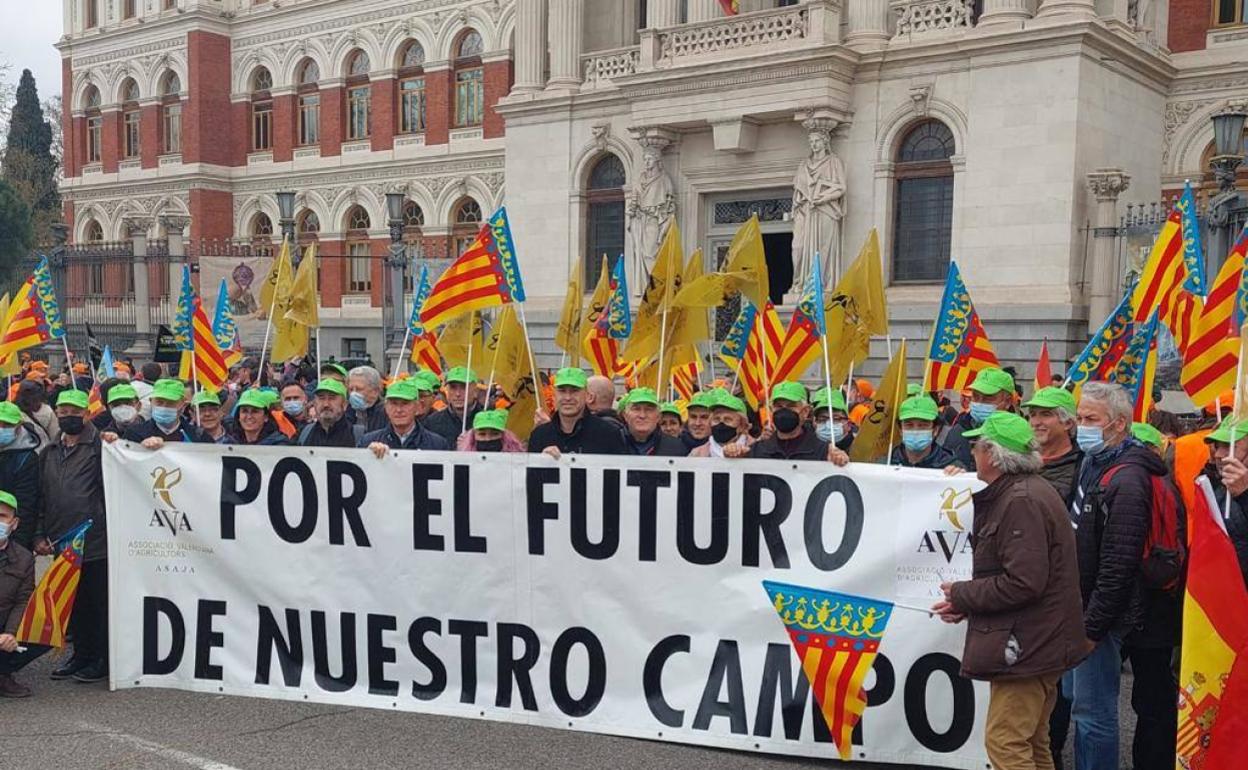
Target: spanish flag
x,y
960,346
486,275
47,612
1213,668
836,637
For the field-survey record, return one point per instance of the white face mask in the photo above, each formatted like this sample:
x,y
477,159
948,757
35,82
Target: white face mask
x,y
124,415
5,529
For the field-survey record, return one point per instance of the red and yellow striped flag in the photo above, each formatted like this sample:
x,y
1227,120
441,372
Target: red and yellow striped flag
x,y
425,353
1211,357
960,346
47,613
1164,273
837,652
731,7
486,275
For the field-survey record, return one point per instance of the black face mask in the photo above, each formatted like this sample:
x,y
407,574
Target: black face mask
x,y
786,420
723,433
1213,472
490,446
72,425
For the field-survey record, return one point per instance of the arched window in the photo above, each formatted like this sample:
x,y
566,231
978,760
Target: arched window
x,y
92,232
923,222
412,104
359,251
95,123
307,226
261,110
171,113
359,97
469,80
604,216
413,217
308,76
130,119
466,222
261,226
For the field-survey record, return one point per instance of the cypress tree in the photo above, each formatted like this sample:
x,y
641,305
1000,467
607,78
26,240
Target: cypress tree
x,y
28,164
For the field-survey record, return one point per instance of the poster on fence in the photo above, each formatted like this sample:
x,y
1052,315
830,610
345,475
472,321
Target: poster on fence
x,y
693,601
243,275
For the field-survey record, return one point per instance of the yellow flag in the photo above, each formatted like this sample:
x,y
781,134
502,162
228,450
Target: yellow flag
x,y
663,285
453,340
523,408
10,365
290,339
303,301
280,272
745,271
855,310
568,332
507,350
689,325
879,431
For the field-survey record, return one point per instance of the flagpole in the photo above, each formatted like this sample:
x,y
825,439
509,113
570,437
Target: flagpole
x,y
398,364
766,399
498,344
69,361
528,343
318,348
195,373
463,426
1235,407
892,427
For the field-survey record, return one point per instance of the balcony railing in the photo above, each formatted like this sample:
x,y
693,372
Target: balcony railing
x,y
601,67
916,17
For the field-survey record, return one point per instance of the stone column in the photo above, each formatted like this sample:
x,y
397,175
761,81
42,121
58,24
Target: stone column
x,y
662,13
136,229
1106,184
530,46
567,22
1013,12
868,25
1075,9
703,10
177,252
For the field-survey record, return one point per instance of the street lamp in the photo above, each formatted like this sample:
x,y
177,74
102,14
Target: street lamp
x,y
286,213
397,262
1226,211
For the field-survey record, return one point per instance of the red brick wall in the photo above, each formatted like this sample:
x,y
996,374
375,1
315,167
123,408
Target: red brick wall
x,y
385,113
75,146
438,93
283,127
1189,21
110,142
203,140
332,117
149,136
498,79
333,271
212,214
71,129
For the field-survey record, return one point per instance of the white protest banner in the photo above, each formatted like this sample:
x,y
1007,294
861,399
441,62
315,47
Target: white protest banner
x,y
613,595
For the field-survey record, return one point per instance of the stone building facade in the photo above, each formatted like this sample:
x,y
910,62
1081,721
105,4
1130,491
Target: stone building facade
x,y
997,133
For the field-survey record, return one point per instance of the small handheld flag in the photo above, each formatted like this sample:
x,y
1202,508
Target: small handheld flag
x,y
47,613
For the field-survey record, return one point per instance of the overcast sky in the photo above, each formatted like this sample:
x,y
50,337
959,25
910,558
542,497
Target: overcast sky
x,y
28,28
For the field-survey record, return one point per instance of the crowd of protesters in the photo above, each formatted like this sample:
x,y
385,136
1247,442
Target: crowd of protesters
x,y
1065,590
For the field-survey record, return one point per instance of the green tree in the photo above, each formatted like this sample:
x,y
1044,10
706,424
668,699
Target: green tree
x,y
28,163
16,235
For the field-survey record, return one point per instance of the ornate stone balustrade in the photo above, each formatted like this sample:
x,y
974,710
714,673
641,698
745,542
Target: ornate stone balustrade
x,y
915,17
601,67
750,30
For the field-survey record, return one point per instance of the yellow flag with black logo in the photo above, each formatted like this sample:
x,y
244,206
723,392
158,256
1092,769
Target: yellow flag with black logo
x,y
453,340
879,431
568,332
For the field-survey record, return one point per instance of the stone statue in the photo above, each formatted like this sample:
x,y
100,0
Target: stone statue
x,y
650,206
818,208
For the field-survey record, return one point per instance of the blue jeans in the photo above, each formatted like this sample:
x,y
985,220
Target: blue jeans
x,y
1093,689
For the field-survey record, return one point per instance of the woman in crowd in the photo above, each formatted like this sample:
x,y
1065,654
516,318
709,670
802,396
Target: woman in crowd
x,y
489,434
254,425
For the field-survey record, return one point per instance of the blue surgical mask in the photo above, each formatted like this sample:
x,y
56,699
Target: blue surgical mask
x,y
356,399
1090,438
981,412
916,440
293,408
165,416
4,531
825,432
7,436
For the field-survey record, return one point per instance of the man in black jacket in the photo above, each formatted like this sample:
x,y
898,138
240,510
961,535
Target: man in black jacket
x,y
167,423
1051,414
1228,471
573,430
331,428
641,415
793,438
1112,513
19,463
403,432
992,390
366,408
461,386
918,418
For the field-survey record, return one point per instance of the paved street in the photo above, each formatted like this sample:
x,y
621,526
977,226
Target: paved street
x,y
71,726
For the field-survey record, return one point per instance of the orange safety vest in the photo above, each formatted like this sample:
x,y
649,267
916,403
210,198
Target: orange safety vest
x,y
1191,453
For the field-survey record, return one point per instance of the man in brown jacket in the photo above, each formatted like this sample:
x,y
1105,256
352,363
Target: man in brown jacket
x,y
1022,606
17,583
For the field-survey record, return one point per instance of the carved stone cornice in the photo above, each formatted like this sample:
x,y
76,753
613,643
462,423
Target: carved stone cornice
x,y
1108,183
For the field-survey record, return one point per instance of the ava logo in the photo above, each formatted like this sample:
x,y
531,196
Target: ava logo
x,y
953,540
166,514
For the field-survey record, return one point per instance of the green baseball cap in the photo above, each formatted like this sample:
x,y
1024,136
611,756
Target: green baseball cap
x,y
212,399
831,399
426,381
641,396
490,419
991,381
1146,433
336,368
668,407
913,389
1229,431
789,391
169,390
8,499
332,386
1053,398
1005,429
918,408
122,392
403,390
571,377
10,414
78,398
254,399
729,401
461,374
703,399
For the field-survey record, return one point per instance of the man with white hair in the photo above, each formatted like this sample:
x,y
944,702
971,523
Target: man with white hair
x,y
1022,603
1112,512
366,408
